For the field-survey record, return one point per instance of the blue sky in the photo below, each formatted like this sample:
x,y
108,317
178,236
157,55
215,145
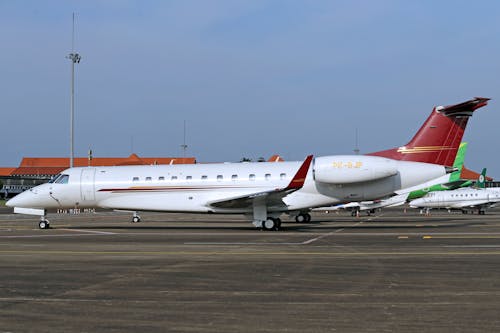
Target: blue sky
x,y
250,78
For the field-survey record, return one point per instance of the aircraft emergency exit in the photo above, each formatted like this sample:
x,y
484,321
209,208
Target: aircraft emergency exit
x,y
265,190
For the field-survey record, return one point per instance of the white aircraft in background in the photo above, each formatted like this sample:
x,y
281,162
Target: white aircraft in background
x,y
261,190
478,197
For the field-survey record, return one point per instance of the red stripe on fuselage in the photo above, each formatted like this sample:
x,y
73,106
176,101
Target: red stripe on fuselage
x,y
176,188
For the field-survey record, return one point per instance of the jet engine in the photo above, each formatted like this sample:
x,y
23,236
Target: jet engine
x,y
355,178
347,169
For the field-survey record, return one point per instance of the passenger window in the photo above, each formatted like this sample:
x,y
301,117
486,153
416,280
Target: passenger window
x,y
174,178
161,178
282,176
135,179
189,177
219,178
204,177
251,176
268,176
148,179
234,177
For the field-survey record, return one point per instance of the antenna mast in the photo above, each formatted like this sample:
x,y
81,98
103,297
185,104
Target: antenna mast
x,y
356,147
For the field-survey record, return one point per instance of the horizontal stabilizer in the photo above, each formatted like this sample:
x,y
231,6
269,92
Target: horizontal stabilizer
x,y
465,108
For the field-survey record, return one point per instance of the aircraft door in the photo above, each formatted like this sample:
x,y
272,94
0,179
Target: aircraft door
x,y
441,200
87,184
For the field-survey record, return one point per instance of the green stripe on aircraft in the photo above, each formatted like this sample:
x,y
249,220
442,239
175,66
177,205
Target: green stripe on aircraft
x,y
454,180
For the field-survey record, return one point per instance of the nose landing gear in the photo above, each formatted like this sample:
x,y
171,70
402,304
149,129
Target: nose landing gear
x,y
44,223
136,218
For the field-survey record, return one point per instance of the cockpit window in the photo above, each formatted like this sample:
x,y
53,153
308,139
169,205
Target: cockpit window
x,y
54,178
62,179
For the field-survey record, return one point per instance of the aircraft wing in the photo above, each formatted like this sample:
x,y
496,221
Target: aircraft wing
x,y
272,198
348,206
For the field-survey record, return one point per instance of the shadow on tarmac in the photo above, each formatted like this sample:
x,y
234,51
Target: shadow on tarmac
x,y
310,227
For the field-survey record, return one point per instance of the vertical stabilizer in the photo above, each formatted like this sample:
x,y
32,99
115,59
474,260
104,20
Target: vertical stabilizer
x,y
481,180
459,162
438,140
454,180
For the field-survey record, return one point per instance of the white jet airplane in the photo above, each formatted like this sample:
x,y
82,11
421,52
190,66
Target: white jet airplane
x,y
478,197
263,190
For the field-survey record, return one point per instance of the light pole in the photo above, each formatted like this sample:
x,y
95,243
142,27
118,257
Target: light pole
x,y
184,146
75,59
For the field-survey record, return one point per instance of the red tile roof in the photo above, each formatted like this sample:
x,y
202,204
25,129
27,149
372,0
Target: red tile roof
x,y
37,171
471,175
6,171
54,165
103,161
275,158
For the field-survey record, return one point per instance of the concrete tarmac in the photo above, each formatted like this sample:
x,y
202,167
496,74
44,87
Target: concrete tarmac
x,y
392,272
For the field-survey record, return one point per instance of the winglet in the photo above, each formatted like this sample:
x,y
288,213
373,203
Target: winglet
x,y
300,177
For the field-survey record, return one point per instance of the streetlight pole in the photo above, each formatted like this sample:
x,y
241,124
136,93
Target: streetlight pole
x,y
184,146
75,59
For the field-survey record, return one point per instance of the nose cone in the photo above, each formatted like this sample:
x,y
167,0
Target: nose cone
x,y
11,202
416,203
25,200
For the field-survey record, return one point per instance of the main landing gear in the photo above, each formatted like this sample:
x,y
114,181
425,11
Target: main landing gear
x,y
271,224
303,218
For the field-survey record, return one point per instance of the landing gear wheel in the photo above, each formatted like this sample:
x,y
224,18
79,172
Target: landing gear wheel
x,y
136,219
303,218
269,224
300,218
44,224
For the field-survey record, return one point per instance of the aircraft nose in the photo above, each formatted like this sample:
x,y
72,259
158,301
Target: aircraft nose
x,y
11,202
416,202
24,199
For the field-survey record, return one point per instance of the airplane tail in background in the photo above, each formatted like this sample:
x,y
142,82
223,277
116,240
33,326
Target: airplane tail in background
x,y
458,164
481,179
438,140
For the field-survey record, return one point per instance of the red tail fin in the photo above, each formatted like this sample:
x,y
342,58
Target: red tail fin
x,y
438,139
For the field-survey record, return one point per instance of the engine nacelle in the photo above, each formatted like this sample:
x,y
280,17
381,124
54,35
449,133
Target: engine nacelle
x,y
348,169
357,178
